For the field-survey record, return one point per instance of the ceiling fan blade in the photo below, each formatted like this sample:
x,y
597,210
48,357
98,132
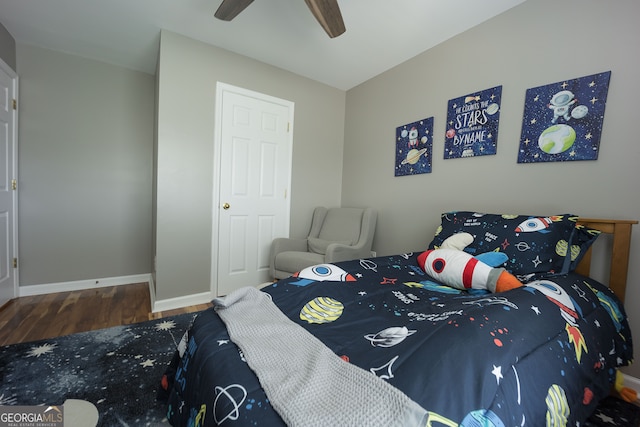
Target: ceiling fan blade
x,y
229,9
327,12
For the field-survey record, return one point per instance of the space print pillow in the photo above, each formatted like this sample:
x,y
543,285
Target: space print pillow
x,y
533,244
582,239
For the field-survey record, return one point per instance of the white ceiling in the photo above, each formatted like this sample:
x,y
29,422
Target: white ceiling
x,y
380,33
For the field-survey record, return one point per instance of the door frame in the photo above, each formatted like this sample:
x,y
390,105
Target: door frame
x,y
217,149
14,163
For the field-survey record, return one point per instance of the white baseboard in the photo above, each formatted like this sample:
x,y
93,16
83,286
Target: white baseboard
x,y
79,285
184,301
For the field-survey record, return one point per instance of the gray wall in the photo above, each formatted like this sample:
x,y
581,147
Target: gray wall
x,y
86,135
85,168
187,74
517,50
7,47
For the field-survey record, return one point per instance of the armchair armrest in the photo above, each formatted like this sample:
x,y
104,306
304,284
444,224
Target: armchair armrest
x,y
284,244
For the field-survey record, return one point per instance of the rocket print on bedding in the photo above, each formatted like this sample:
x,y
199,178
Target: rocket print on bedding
x,y
542,351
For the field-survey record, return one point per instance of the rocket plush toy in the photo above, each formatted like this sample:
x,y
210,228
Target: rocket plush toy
x,y
452,266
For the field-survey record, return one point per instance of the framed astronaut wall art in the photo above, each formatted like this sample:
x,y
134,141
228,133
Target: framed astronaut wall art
x,y
414,147
563,121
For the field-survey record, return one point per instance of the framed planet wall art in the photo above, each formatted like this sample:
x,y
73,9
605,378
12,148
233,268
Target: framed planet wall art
x,y
414,147
563,121
472,124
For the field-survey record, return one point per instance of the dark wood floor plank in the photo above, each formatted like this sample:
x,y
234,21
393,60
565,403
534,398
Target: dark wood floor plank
x,y
46,316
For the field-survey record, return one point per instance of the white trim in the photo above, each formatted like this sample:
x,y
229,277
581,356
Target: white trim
x,y
152,290
183,301
632,382
14,141
215,197
49,288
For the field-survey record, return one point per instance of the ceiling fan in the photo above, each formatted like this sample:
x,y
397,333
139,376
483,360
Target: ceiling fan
x,y
327,12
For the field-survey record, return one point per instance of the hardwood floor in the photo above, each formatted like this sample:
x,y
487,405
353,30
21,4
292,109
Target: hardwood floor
x,y
51,315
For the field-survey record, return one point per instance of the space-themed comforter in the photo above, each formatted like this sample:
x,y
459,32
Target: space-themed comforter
x,y
542,354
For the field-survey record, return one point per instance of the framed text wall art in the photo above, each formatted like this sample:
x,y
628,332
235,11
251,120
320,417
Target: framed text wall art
x,y
472,124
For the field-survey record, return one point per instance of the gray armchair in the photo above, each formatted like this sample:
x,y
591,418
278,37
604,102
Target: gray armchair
x,y
337,234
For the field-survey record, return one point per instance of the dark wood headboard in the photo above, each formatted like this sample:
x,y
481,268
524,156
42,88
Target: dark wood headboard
x,y
619,262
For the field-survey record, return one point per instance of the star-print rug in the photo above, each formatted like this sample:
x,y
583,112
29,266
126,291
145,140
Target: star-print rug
x,y
117,369
614,412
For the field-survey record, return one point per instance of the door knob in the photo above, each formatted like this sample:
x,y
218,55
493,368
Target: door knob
x,y
226,206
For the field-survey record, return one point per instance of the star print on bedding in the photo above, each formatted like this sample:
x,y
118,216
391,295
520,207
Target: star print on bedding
x,y
533,244
549,349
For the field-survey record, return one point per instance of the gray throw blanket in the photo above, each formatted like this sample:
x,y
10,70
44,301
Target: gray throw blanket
x,y
306,383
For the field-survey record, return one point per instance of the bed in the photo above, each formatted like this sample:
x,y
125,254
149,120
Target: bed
x,y
382,341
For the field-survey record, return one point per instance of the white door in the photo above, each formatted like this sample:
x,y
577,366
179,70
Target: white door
x,y
8,177
253,145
